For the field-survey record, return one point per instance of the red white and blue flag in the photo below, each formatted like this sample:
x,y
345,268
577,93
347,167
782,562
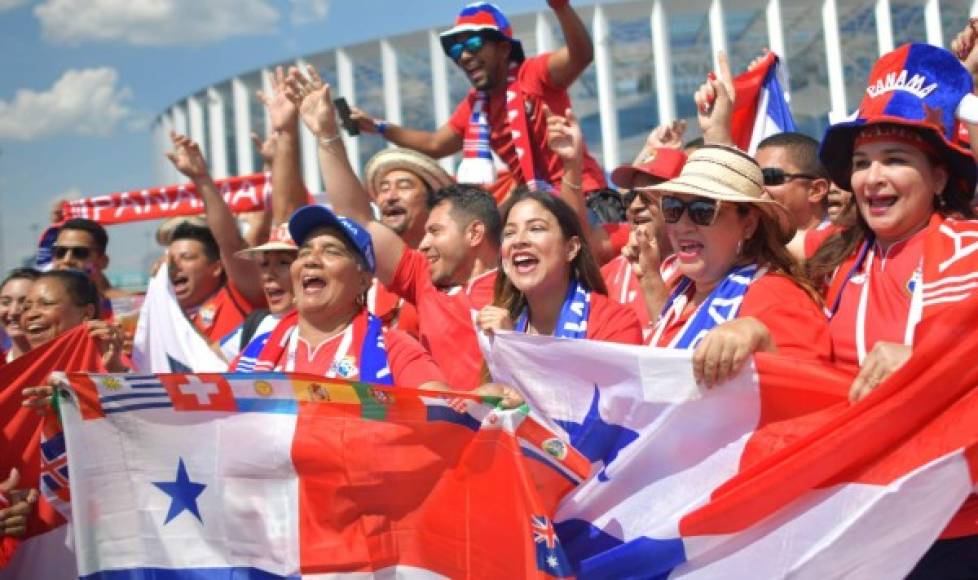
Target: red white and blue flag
x,y
267,475
761,108
772,474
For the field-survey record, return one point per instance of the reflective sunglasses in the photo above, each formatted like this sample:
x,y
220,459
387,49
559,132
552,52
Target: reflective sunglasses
x,y
702,211
80,252
777,176
471,45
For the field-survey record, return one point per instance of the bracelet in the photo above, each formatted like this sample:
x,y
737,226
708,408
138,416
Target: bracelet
x,y
381,126
327,141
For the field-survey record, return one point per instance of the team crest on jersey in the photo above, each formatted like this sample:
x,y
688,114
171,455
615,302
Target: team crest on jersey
x,y
347,367
207,314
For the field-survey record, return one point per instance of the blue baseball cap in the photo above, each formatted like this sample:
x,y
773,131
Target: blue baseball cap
x,y
308,218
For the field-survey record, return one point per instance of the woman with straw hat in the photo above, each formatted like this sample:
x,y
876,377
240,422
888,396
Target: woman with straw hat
x,y
738,290
911,256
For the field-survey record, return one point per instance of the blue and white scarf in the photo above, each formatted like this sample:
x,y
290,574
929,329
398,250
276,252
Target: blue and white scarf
x,y
722,305
572,321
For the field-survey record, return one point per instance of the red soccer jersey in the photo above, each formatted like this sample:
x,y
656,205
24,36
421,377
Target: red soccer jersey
x,y
539,89
796,322
815,237
612,322
887,300
392,310
222,313
624,288
446,317
410,365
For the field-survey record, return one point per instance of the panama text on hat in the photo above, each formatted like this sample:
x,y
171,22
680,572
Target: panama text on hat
x,y
920,89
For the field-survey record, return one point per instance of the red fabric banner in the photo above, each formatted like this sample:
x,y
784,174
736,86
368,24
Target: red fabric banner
x,y
242,194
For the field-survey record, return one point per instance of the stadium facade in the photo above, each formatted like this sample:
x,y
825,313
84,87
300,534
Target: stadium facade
x,y
649,58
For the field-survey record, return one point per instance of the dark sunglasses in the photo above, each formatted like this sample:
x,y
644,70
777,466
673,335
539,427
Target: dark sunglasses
x,y
776,176
471,45
80,252
702,211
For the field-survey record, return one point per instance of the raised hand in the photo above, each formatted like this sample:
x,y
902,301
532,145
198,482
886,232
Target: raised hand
x,y
110,339
493,318
281,110
266,148
667,136
186,157
643,252
315,102
963,46
564,136
16,505
366,122
715,103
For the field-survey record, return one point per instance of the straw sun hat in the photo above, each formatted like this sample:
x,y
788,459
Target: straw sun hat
x,y
728,175
427,169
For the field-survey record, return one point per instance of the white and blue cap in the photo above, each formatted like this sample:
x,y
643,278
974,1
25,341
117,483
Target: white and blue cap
x,y
308,218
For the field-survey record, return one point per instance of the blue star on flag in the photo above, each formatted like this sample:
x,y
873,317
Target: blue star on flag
x,y
597,439
183,494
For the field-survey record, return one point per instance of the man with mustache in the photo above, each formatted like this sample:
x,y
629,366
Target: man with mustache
x,y
504,109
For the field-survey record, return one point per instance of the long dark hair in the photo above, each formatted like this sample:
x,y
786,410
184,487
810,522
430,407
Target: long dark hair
x,y
765,248
951,202
583,267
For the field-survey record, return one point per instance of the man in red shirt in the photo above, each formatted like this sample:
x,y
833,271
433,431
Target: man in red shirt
x,y
512,90
794,176
400,181
660,164
450,277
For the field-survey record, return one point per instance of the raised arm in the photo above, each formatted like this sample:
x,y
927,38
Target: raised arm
x,y
564,138
569,61
188,160
666,136
288,191
345,192
715,103
437,144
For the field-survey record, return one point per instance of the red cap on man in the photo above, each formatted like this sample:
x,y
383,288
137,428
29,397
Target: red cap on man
x,y
661,164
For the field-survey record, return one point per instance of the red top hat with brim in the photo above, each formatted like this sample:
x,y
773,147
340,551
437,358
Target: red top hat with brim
x,y
482,17
917,86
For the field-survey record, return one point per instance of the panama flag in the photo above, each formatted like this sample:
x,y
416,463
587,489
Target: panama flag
x,y
761,109
287,476
772,474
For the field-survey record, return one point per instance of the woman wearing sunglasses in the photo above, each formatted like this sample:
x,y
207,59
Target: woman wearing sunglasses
x,y
739,290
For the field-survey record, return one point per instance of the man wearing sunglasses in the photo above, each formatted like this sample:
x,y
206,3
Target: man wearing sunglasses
x,y
512,90
81,245
794,176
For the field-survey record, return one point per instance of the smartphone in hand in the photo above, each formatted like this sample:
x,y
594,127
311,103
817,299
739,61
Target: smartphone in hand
x,y
344,109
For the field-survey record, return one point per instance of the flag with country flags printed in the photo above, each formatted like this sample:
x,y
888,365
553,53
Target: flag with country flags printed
x,y
773,474
287,475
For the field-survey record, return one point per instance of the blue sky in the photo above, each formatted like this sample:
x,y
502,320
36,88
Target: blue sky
x,y
83,79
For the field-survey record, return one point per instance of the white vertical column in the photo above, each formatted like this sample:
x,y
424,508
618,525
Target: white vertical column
x,y
974,9
884,26
932,22
439,90
266,76
718,32
196,114
606,87
775,32
833,57
392,84
662,59
544,34
309,149
179,118
164,169
347,88
216,134
243,147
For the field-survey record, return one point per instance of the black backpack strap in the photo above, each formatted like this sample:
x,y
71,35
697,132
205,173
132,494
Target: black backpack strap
x,y
250,325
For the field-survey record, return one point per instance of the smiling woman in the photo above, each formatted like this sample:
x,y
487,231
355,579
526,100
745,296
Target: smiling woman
x,y
549,282
13,296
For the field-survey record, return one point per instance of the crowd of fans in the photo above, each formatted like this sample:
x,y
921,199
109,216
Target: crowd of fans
x,y
811,249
